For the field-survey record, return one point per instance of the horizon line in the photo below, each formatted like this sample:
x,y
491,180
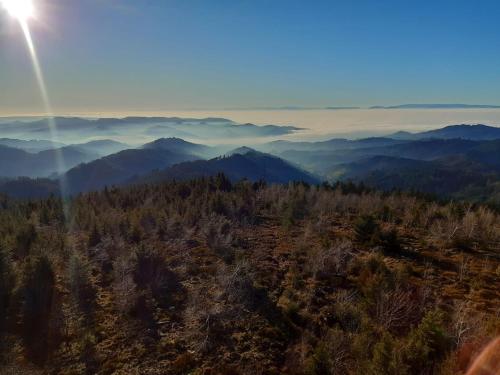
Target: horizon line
x,y
158,112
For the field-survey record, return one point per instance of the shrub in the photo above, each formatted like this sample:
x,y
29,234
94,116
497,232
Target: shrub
x,y
374,277
427,343
462,242
237,285
183,364
390,242
349,315
151,273
331,355
293,210
218,236
124,287
291,309
386,359
366,230
396,309
326,263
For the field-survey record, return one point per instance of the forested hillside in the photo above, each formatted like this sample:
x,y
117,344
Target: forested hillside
x,y
455,162
212,277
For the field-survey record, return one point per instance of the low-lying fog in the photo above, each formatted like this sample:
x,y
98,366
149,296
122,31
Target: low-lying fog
x,y
354,123
317,124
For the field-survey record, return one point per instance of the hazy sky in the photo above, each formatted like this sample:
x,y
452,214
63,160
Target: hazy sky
x,y
151,55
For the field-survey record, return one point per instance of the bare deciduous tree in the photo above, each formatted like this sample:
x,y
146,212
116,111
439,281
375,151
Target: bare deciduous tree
x,y
395,309
331,261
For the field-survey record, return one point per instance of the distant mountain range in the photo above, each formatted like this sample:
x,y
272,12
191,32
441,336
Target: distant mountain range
x,y
154,162
459,161
329,145
400,106
32,146
102,147
321,161
17,162
455,161
98,147
437,106
75,128
477,132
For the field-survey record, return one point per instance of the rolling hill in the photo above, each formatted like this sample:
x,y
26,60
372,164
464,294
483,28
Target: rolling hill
x,y
102,147
277,147
16,162
179,146
28,188
32,146
450,177
243,164
119,167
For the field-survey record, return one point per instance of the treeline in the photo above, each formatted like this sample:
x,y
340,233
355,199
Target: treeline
x,y
214,277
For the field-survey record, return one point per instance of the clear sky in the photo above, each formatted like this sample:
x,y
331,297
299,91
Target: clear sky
x,y
112,55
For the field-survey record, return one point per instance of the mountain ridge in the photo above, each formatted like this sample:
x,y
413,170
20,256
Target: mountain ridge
x,y
464,131
251,165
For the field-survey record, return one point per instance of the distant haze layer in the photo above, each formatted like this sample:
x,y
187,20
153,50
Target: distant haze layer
x,y
322,124
353,122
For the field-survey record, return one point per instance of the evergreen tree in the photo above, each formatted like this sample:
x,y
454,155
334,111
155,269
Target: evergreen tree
x,y
38,289
95,236
6,287
385,359
366,229
426,343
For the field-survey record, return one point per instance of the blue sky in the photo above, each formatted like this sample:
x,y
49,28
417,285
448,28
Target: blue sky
x,y
112,55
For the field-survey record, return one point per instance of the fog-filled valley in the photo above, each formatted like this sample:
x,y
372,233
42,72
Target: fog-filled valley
x,y
455,161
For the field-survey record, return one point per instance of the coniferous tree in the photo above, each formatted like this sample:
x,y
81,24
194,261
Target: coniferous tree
x,y
366,229
6,287
95,236
38,290
81,287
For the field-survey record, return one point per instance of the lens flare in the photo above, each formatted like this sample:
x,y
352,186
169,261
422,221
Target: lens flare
x,y
20,9
43,91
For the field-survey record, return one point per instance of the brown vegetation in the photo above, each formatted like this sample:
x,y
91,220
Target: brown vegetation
x,y
209,277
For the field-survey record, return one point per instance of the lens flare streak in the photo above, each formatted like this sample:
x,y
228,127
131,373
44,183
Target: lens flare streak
x,y
46,102
36,65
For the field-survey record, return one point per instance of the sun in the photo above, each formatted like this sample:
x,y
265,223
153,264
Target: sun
x,y
20,9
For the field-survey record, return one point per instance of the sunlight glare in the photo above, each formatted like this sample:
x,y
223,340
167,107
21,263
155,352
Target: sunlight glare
x,y
23,10
20,9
